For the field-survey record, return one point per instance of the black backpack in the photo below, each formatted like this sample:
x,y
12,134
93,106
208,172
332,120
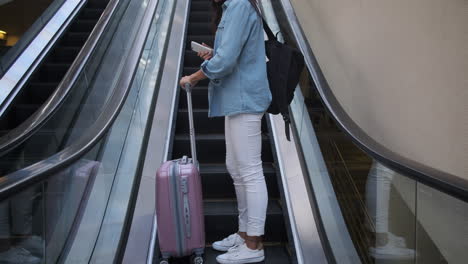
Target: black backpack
x,y
284,67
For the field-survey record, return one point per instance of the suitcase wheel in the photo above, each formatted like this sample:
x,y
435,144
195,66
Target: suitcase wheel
x,y
198,260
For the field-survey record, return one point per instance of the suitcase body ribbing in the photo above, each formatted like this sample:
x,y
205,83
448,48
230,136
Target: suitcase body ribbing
x,y
179,204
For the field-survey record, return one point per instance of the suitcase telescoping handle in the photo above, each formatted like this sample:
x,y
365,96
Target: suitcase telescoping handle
x,y
188,89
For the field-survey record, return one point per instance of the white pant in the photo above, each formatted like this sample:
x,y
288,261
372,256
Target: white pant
x,y
244,164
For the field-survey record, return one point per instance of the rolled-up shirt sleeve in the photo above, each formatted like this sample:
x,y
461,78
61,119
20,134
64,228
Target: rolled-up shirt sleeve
x,y
234,37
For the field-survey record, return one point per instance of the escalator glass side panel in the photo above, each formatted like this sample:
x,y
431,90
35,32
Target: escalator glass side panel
x,y
388,215
36,223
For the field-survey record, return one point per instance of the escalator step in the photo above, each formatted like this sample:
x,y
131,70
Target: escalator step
x,y
221,220
218,183
91,13
190,70
64,54
97,4
203,83
211,147
53,72
200,16
39,92
200,6
204,124
76,39
199,28
191,59
199,98
83,25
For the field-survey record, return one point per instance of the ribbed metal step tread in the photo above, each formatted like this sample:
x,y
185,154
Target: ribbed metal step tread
x,y
191,59
199,28
207,168
57,64
195,110
275,253
221,220
83,25
91,13
200,16
201,5
229,207
214,137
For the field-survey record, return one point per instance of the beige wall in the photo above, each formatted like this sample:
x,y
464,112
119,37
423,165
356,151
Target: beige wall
x,y
400,69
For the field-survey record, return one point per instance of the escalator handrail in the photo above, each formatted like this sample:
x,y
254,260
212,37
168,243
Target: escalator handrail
x,y
19,180
448,183
33,123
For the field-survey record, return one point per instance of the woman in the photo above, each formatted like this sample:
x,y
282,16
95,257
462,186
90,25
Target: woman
x,y
239,91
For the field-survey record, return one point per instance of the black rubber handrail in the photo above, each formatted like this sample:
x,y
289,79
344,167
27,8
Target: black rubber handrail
x,y
33,123
448,183
19,180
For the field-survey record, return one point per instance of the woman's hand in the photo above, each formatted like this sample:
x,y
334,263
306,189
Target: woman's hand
x,y
206,55
192,79
188,79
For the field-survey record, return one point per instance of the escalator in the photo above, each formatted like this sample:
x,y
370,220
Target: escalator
x,y
218,190
46,78
87,176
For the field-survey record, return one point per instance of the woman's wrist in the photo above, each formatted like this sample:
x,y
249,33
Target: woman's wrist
x,y
197,76
193,78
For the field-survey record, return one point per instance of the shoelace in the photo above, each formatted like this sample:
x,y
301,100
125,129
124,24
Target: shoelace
x,y
233,248
229,238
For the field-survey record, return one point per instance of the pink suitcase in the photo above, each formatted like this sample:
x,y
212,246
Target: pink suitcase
x,y
179,204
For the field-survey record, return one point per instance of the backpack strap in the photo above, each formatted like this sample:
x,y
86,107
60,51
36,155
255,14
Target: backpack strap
x,y
267,29
284,105
287,123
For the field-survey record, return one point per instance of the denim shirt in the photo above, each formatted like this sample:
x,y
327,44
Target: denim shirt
x,y
237,70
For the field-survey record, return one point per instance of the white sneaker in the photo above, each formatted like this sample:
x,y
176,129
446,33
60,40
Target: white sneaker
x,y
229,242
33,244
18,255
395,249
241,254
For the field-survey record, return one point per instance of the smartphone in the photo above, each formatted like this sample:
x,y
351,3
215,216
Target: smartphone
x,y
197,47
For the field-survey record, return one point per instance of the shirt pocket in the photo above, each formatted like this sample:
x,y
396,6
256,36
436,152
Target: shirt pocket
x,y
215,82
219,32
